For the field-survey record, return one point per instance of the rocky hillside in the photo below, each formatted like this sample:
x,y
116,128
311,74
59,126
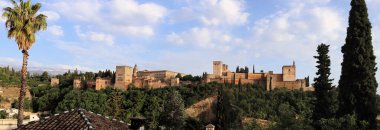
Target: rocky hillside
x,y
202,109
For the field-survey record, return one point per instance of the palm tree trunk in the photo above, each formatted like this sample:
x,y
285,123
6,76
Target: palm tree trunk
x,y
22,89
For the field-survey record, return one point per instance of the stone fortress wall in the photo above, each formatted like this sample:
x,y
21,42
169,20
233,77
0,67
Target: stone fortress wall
x,y
287,78
126,76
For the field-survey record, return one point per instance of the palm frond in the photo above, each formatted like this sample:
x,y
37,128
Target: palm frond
x,y
35,8
14,3
23,24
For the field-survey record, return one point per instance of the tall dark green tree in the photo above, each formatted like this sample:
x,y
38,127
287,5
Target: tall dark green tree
x,y
229,114
233,81
239,85
324,103
357,84
307,81
173,115
114,102
253,68
219,109
45,76
242,70
246,70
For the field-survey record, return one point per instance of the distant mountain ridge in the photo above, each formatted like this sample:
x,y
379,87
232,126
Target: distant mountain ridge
x,y
40,70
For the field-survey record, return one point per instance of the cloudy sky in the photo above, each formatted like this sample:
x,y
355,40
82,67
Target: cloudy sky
x,y
187,35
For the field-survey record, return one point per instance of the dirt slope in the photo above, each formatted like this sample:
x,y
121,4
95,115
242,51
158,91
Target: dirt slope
x,y
10,94
202,109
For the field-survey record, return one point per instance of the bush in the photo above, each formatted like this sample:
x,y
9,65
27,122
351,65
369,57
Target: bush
x,y
3,115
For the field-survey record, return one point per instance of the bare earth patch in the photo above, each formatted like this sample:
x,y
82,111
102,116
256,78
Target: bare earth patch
x,y
11,93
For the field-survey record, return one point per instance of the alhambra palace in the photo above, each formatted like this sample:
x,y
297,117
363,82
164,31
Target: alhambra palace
x,y
126,76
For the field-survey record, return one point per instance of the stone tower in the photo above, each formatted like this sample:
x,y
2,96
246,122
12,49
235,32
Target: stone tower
x,y
54,82
77,83
289,72
123,77
135,69
218,68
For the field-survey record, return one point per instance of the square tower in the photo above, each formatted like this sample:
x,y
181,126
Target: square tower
x,y
54,82
218,68
123,77
77,83
289,73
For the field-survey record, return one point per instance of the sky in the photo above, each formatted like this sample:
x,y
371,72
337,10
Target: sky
x,y
187,35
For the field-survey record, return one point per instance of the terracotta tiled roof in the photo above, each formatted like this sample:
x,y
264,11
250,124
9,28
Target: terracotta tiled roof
x,y
78,119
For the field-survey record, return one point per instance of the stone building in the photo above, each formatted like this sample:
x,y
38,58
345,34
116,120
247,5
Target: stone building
x,y
126,75
77,83
54,82
287,78
160,74
123,77
102,83
155,79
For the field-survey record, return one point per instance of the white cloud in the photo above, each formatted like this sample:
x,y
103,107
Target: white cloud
x,y
51,15
328,21
213,12
217,12
9,61
371,2
295,31
83,10
174,38
55,30
95,36
86,54
215,18
4,4
204,38
134,31
119,17
302,26
132,12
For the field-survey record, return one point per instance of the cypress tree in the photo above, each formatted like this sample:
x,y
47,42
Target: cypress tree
x,y
233,81
357,84
174,111
323,105
239,85
253,68
237,69
307,81
219,109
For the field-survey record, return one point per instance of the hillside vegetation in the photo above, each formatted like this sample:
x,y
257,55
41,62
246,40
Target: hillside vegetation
x,y
229,106
9,77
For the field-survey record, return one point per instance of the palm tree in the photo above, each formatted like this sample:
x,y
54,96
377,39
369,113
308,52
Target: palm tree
x,y
22,23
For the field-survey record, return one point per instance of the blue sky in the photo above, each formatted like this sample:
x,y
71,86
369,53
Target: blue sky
x,y
187,35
